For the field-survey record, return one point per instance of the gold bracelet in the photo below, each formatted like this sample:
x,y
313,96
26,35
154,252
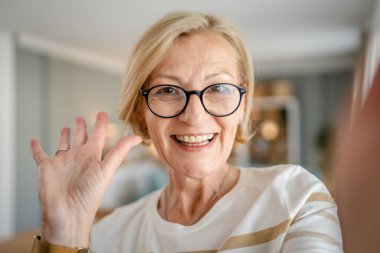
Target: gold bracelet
x,y
40,246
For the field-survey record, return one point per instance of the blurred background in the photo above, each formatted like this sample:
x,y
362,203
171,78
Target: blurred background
x,y
62,59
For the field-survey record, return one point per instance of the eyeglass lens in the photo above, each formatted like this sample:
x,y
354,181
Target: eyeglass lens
x,y
218,99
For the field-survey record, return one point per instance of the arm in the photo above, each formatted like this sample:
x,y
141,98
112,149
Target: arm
x,y
357,175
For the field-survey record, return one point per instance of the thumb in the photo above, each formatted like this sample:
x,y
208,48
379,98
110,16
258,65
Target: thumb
x,y
117,154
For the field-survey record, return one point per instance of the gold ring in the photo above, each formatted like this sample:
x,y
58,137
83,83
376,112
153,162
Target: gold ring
x,y
60,149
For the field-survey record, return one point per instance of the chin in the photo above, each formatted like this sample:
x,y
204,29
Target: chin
x,y
196,169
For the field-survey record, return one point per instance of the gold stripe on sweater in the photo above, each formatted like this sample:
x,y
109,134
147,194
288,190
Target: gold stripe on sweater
x,y
322,213
329,216
251,239
317,235
256,238
320,196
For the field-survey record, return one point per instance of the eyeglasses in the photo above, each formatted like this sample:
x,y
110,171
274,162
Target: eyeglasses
x,y
168,101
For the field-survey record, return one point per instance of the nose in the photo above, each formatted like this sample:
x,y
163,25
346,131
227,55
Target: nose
x,y
194,113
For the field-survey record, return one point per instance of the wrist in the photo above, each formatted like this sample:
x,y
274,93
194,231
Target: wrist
x,y
67,234
41,246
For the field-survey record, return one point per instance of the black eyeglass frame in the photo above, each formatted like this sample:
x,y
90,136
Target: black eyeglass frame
x,y
145,93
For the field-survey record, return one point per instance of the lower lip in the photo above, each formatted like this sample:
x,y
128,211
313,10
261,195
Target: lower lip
x,y
195,148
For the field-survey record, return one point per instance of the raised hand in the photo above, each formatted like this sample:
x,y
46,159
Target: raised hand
x,y
74,181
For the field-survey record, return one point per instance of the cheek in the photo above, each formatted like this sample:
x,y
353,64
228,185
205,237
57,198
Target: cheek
x,y
150,120
241,111
229,126
151,123
154,126
157,130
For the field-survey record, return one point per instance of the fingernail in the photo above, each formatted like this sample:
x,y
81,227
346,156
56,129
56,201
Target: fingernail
x,y
137,140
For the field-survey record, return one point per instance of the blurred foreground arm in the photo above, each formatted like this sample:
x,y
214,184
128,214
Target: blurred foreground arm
x,y
357,176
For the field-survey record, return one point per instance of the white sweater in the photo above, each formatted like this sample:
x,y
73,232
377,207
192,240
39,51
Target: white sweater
x,y
278,209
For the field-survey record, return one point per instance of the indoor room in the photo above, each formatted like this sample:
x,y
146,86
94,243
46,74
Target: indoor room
x,y
314,64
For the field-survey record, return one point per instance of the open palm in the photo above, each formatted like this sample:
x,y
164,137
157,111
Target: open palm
x,y
74,181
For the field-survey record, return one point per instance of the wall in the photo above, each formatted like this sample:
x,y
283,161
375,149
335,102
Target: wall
x,y
50,95
31,83
319,96
372,50
7,134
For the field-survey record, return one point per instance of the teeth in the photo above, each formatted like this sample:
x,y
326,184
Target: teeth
x,y
194,139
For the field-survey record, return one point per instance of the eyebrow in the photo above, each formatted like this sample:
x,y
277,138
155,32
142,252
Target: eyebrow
x,y
179,80
167,76
223,72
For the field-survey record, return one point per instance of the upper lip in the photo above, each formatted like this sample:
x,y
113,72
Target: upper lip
x,y
193,134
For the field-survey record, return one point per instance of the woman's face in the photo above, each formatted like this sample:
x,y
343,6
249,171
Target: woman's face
x,y
193,63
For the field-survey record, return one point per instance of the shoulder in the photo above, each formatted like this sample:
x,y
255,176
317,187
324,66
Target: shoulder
x,y
303,189
277,175
280,170
283,173
295,185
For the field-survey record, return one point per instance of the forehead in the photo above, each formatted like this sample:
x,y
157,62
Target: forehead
x,y
198,56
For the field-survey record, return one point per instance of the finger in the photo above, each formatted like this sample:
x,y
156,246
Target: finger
x,y
38,153
80,137
98,135
64,141
117,154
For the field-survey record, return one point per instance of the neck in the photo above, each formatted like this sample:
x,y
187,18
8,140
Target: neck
x,y
186,200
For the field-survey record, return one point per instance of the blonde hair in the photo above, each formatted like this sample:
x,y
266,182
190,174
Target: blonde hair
x,y
153,46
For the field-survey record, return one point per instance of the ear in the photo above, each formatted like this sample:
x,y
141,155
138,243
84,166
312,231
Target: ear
x,y
141,120
242,110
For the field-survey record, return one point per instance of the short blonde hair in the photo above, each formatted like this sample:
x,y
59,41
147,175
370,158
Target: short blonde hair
x,y
153,46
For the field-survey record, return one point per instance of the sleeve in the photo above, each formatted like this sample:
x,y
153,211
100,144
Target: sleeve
x,y
315,225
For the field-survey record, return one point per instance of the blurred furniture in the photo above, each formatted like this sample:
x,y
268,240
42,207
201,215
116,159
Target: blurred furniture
x,y
21,243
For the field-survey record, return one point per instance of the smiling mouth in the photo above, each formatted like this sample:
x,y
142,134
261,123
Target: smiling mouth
x,y
194,140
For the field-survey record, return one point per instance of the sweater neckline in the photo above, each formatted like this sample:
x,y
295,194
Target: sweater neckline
x,y
222,204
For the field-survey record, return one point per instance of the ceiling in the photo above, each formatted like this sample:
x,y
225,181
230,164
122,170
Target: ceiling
x,y
280,33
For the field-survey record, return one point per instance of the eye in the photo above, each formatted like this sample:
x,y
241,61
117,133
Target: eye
x,y
167,90
219,88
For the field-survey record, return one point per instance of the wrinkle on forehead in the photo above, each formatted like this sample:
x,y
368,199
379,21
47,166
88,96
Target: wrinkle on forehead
x,y
187,60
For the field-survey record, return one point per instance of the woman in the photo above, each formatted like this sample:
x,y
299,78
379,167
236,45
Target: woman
x,y
188,90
